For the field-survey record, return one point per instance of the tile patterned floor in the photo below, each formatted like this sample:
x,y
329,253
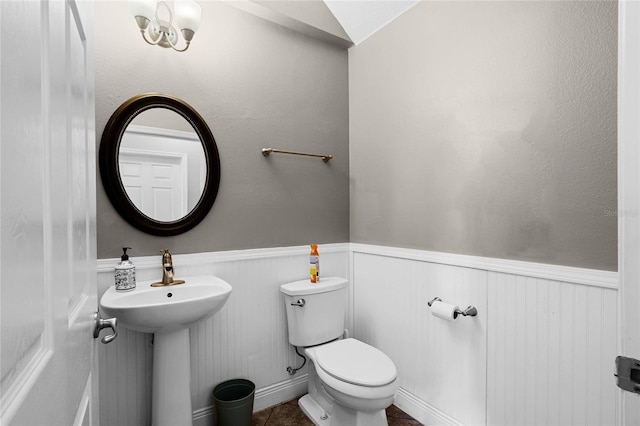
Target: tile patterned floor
x,y
289,414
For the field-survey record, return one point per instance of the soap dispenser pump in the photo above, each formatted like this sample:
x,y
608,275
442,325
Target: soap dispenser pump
x,y
125,274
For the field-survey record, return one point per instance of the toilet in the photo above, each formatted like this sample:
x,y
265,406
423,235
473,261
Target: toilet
x,y
350,382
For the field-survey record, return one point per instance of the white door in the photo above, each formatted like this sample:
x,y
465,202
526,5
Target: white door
x,y
629,196
47,202
156,182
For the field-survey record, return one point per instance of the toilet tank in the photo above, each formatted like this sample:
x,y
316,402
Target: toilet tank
x,y
322,317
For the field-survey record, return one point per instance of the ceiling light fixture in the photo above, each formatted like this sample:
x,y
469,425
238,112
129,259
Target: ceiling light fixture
x,y
159,30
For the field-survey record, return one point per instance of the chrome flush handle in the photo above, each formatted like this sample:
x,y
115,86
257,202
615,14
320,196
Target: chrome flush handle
x,y
299,302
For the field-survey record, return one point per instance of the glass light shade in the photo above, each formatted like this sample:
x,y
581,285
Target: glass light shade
x,y
146,8
188,14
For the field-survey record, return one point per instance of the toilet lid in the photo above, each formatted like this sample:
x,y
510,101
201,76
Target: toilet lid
x,y
355,362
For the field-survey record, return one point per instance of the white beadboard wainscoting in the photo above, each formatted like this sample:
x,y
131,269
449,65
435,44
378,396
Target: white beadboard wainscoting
x,y
247,338
551,351
541,350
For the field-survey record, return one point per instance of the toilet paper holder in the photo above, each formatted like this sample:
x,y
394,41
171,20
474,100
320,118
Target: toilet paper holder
x,y
471,311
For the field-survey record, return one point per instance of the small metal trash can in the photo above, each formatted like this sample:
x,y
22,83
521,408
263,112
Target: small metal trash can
x,y
233,401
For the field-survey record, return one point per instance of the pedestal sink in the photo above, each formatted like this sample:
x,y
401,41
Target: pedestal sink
x,y
168,312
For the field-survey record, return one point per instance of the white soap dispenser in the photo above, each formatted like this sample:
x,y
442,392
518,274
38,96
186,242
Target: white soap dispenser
x,y
125,272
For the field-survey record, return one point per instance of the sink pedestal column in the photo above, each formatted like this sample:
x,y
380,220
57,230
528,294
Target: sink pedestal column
x,y
171,391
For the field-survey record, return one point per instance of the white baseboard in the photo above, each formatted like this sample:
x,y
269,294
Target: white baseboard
x,y
287,390
280,392
421,410
264,398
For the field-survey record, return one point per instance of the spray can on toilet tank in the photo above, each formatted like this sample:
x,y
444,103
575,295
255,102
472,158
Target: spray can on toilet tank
x,y
314,264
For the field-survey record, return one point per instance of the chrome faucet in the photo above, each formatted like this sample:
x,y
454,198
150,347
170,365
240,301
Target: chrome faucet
x,y
167,271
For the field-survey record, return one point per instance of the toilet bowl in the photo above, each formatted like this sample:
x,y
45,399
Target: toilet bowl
x,y
350,382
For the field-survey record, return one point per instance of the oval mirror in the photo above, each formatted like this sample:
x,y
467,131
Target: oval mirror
x,y
159,164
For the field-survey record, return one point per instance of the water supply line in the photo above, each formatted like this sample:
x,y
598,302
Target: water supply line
x,y
292,370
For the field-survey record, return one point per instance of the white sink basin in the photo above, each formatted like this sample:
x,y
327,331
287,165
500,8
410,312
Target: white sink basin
x,y
159,309
168,312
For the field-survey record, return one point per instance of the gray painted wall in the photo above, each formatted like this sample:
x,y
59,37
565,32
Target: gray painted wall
x,y
257,85
488,129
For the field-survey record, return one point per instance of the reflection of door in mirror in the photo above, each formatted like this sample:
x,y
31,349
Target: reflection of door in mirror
x,y
155,182
162,171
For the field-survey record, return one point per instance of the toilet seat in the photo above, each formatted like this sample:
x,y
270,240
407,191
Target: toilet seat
x,y
376,374
355,362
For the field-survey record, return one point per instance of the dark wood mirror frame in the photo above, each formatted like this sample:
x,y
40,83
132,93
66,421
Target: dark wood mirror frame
x,y
110,170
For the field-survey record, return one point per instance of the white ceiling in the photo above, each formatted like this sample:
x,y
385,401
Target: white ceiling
x,y
346,22
361,18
